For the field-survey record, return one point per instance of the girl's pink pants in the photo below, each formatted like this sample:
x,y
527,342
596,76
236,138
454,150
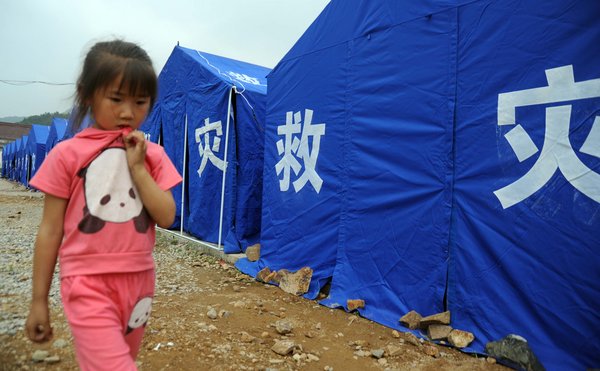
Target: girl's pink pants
x,y
107,314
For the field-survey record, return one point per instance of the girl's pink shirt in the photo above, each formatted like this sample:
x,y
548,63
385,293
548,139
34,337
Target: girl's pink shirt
x,y
117,246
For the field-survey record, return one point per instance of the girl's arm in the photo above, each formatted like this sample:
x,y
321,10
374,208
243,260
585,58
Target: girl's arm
x,y
47,242
159,204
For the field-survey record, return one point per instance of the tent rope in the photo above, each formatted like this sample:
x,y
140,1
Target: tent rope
x,y
233,82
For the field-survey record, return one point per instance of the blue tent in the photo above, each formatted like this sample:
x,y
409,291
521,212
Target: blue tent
x,y
12,155
70,130
56,133
5,151
36,148
444,155
220,104
14,158
6,156
22,160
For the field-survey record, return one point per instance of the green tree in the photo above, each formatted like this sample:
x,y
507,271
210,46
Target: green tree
x,y
44,118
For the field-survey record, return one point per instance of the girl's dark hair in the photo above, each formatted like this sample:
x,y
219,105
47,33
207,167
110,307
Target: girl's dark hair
x,y
104,63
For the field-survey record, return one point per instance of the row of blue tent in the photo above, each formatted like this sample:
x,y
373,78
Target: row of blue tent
x,y
412,154
433,155
22,157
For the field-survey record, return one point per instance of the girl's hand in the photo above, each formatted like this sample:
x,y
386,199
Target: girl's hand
x,y
38,327
135,145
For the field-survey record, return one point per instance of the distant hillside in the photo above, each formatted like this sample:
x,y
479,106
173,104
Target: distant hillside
x,y
11,119
44,119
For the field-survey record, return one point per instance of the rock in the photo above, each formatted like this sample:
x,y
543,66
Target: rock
x,y
438,332
239,304
514,351
253,252
459,338
431,350
411,320
392,350
295,283
284,347
262,275
283,327
361,353
377,353
212,313
395,334
60,343
224,313
272,277
435,319
354,304
412,339
246,337
52,359
39,355
312,358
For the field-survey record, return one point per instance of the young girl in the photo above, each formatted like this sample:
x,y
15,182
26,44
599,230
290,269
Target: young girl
x,y
104,191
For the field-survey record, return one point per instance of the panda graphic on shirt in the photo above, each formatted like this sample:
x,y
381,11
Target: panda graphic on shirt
x,y
110,195
140,314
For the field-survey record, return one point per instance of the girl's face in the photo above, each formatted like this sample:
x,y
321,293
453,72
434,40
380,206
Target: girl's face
x,y
114,109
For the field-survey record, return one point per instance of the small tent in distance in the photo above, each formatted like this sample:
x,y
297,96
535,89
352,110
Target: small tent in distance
x,y
57,132
36,149
22,161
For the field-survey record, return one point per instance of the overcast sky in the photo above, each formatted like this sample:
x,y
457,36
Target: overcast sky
x,y
43,40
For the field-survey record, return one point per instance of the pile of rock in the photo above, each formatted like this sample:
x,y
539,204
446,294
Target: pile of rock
x,y
295,283
437,327
512,350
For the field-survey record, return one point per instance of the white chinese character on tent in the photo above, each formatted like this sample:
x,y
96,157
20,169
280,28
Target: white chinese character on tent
x,y
557,152
206,150
293,148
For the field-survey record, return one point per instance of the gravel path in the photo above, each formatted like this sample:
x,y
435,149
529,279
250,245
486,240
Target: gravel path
x,y
206,315
17,221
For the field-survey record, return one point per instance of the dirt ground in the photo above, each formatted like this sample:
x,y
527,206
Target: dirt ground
x,y
207,315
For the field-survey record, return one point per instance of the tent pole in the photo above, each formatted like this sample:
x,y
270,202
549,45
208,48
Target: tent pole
x,y
226,165
184,172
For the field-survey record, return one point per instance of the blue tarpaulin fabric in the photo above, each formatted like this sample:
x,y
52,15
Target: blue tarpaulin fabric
x,y
444,155
22,160
526,237
172,116
71,129
7,155
15,159
36,148
57,132
196,86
